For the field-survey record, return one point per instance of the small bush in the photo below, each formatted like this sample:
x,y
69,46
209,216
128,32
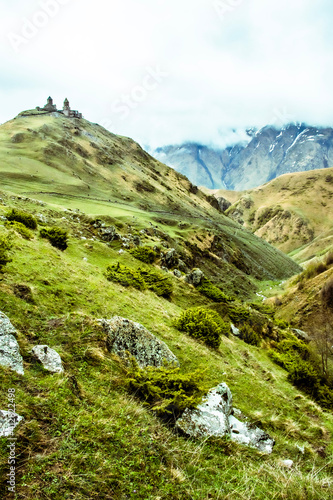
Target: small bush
x,y
249,336
125,276
26,219
19,228
314,269
5,246
211,291
203,324
56,236
327,294
329,259
145,254
140,279
157,282
164,390
303,375
238,313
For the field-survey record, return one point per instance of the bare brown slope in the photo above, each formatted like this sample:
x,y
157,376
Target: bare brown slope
x,y
293,212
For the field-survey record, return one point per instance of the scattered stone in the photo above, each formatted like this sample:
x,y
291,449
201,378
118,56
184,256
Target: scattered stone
x,y
214,417
9,348
8,422
195,277
125,337
235,331
177,273
181,266
108,233
49,358
121,251
170,258
301,335
287,463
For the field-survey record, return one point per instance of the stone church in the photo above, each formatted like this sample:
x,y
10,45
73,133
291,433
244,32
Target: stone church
x,y
67,111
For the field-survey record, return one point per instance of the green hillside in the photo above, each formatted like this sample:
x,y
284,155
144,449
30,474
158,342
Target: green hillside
x,y
85,435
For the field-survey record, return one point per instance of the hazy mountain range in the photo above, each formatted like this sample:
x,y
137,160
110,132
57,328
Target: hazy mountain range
x,y
269,153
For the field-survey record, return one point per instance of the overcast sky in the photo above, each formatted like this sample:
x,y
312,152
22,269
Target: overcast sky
x,y
169,71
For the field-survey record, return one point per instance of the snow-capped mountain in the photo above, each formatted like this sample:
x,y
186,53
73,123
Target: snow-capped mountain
x,y
270,153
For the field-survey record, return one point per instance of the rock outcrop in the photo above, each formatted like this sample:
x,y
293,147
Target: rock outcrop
x,y
125,337
194,277
9,348
49,358
8,422
214,417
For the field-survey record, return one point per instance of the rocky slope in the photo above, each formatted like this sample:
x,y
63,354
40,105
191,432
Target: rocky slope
x,y
270,153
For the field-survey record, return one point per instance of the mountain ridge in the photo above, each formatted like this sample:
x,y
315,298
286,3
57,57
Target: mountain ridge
x,y
270,152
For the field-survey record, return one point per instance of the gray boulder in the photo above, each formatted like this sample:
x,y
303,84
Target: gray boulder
x,y
49,358
125,337
177,273
194,277
214,417
8,422
9,348
170,258
223,204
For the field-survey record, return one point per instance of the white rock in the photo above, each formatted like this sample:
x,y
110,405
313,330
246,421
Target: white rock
x,y
9,348
234,330
287,463
8,422
49,358
213,417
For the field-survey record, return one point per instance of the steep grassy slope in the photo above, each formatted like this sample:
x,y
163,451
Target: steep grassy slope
x,y
85,437
76,164
292,212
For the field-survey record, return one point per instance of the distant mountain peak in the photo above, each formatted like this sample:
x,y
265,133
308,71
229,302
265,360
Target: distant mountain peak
x,y
271,152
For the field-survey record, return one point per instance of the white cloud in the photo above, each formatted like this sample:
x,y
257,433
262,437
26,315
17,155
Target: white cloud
x,y
223,74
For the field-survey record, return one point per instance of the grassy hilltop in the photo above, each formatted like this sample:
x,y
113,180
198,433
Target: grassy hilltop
x,y
84,434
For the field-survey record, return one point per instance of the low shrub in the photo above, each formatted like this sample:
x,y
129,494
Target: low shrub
x,y
24,218
5,246
203,324
304,376
125,276
57,237
211,291
329,259
140,279
165,390
157,282
249,336
145,254
19,228
294,356
314,269
326,294
238,313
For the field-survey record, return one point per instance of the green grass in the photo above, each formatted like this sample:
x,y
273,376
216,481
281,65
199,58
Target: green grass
x,y
84,435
